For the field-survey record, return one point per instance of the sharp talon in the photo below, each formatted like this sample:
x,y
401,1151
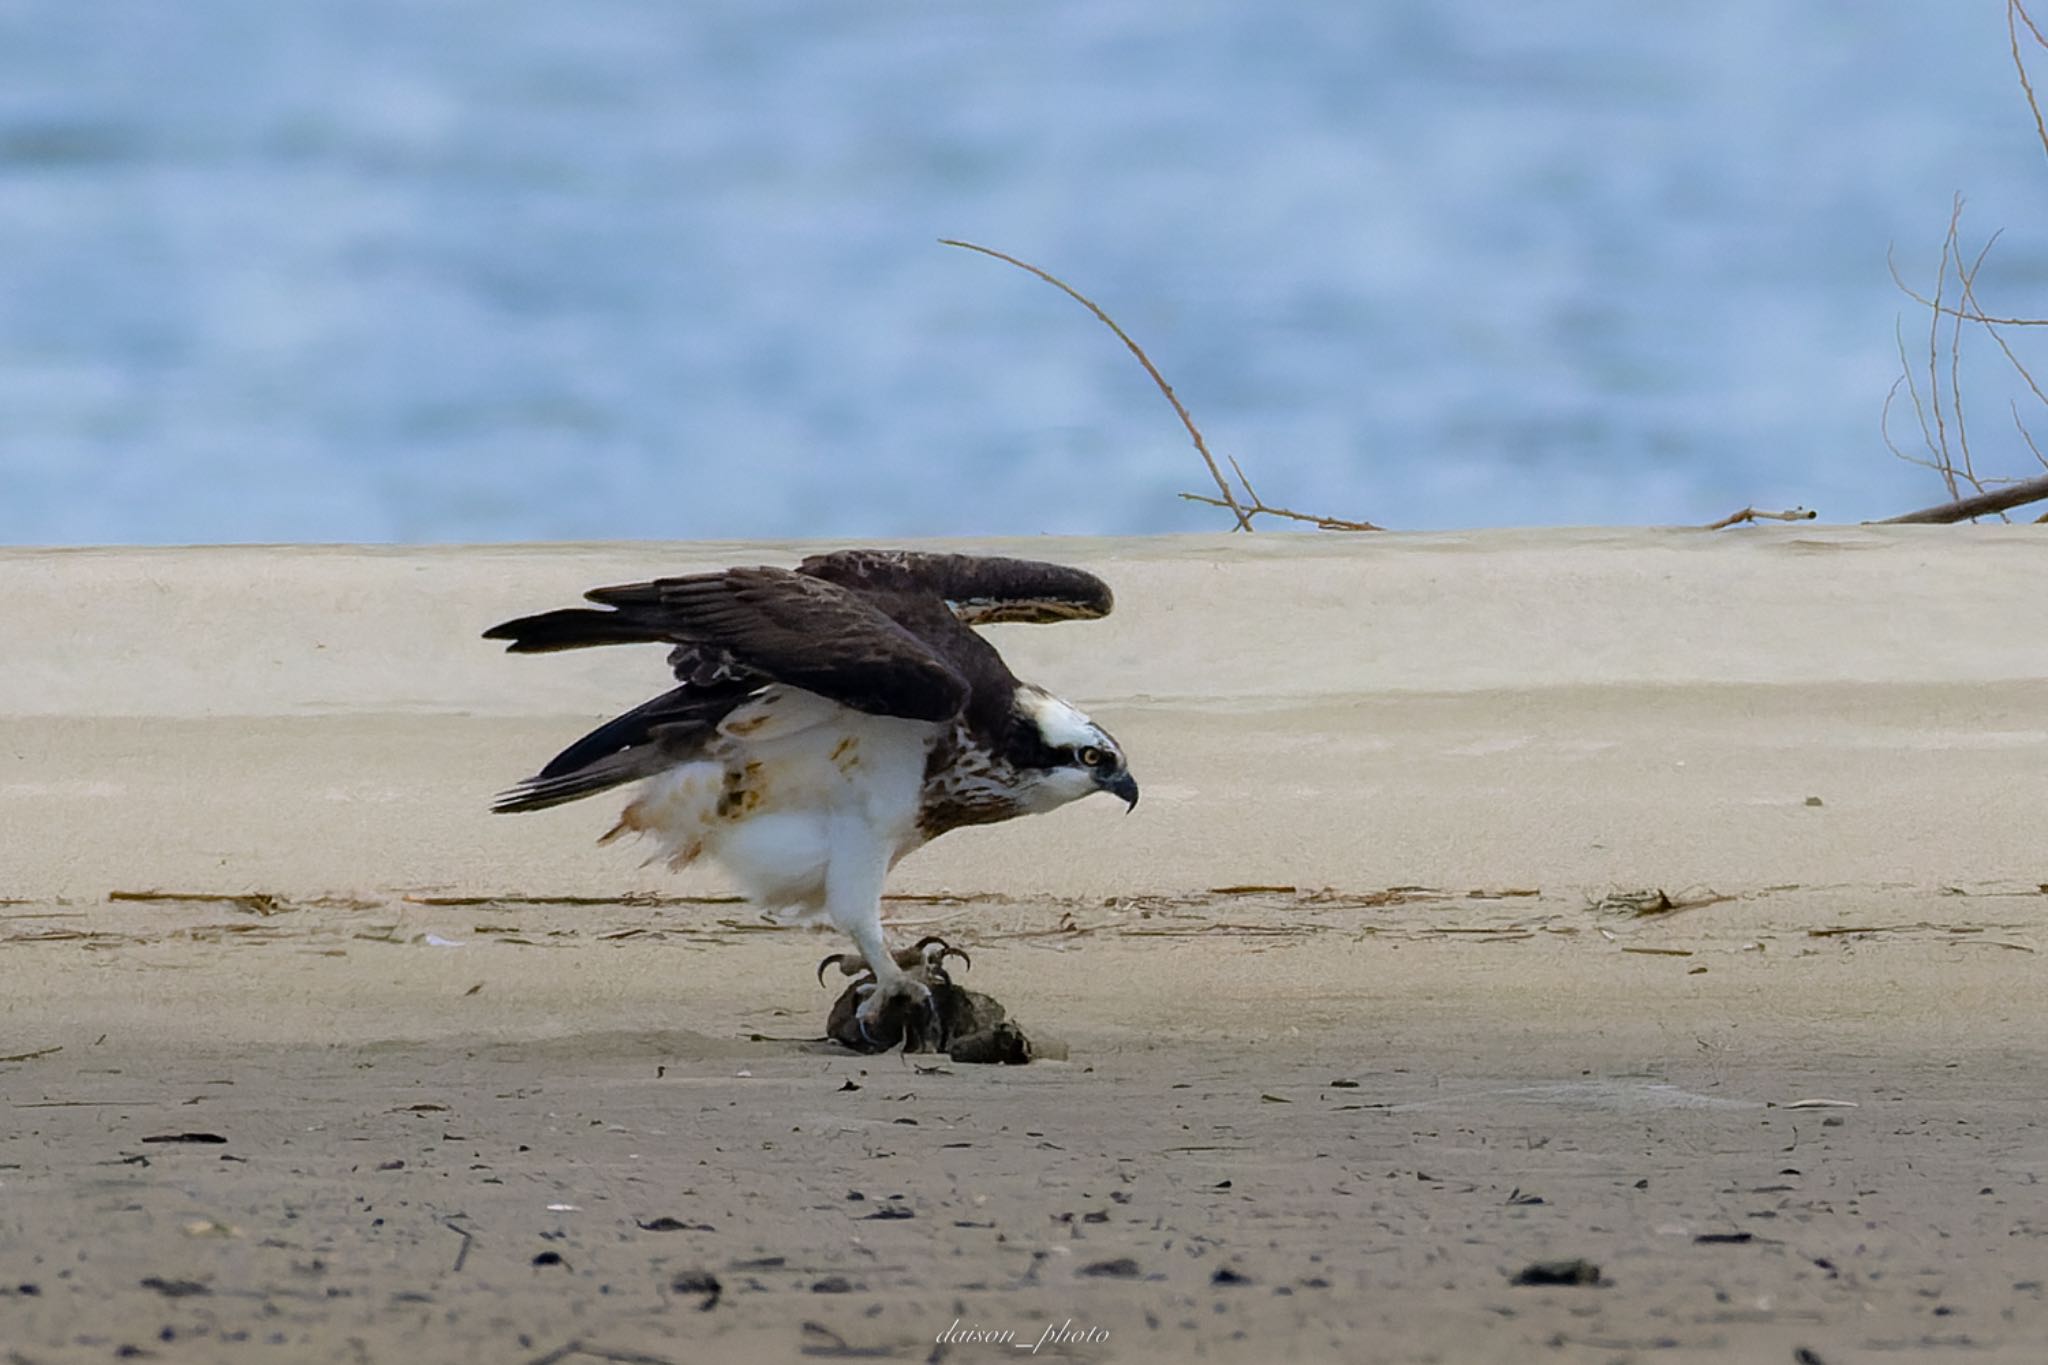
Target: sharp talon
x,y
829,961
915,1026
937,959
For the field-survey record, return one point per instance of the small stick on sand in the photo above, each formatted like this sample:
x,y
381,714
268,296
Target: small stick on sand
x,y
1751,514
468,1238
254,902
1258,506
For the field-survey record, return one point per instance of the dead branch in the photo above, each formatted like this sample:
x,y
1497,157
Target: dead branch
x,y
1750,514
1245,509
1941,457
1988,500
1944,431
1256,506
1244,520
1983,505
1260,509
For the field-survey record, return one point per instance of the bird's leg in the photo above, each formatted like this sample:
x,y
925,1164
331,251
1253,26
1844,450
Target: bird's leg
x,y
853,902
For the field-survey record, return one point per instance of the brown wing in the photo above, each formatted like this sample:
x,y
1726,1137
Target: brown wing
x,y
792,628
980,589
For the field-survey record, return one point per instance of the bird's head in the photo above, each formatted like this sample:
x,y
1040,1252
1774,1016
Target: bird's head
x,y
1065,756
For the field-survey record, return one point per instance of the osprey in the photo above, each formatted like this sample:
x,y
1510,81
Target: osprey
x,y
830,719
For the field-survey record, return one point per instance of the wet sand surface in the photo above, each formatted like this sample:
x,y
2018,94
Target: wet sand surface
x,y
1714,966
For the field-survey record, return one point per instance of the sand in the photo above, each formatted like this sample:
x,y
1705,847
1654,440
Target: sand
x,y
1364,1008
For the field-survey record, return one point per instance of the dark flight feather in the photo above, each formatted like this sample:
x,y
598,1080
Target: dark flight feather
x,y
611,769
681,710
802,631
887,632
980,589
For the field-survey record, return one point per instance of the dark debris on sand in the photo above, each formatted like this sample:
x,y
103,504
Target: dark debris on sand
x,y
1558,1272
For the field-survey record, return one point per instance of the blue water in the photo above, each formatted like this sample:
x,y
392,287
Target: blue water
x,y
288,270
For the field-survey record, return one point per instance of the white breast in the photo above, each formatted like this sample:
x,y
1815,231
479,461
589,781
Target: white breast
x,y
791,773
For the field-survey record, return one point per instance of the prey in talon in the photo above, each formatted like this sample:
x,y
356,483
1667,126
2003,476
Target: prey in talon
x,y
935,1022
829,720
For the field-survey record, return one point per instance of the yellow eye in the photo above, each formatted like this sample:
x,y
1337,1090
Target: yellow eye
x,y
1090,757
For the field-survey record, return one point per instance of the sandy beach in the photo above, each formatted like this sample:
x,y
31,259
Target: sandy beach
x,y
1666,901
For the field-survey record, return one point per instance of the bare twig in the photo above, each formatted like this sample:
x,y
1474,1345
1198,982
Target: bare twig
x,y
2019,366
2028,436
1750,514
468,1238
255,902
1657,901
1948,247
1944,428
1320,523
1884,419
1244,520
1966,282
1245,508
578,1348
1254,505
1983,505
1969,314
2016,14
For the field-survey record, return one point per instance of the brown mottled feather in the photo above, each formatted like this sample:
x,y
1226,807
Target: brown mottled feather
x,y
887,632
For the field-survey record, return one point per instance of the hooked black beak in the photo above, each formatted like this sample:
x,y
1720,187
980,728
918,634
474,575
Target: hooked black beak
x,y
1124,786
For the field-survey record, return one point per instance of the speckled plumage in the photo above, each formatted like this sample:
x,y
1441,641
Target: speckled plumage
x,y
829,719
